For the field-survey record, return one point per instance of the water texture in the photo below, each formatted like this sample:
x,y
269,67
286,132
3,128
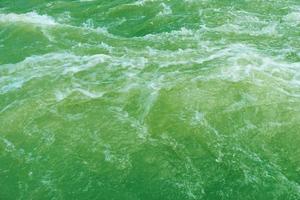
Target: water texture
x,y
150,99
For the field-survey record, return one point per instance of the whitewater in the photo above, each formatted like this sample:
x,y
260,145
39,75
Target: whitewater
x,y
150,99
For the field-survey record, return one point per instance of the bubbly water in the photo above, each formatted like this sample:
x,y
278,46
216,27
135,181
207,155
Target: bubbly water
x,y
150,99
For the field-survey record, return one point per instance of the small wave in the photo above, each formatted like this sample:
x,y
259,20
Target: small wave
x,y
61,95
293,18
28,18
165,11
247,63
46,23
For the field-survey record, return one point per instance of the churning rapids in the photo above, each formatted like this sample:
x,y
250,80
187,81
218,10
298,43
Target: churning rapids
x,y
150,99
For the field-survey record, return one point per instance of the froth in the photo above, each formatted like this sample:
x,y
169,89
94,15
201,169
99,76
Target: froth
x,y
30,18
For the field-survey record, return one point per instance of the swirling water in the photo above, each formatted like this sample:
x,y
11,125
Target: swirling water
x,y
150,99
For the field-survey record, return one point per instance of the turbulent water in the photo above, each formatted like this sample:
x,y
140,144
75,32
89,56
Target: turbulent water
x,y
150,99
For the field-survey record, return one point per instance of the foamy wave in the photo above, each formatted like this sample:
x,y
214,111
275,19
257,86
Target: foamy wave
x,y
143,2
247,63
14,76
293,18
166,10
28,18
61,95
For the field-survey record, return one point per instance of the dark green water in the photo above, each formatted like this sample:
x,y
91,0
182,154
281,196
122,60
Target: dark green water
x,y
150,100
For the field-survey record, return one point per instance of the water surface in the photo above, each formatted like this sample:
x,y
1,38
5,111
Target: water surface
x,y
150,99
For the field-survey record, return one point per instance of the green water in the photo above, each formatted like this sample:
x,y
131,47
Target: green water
x,y
150,99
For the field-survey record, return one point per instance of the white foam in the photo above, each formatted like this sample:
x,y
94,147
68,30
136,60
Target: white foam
x,y
175,33
198,117
61,95
247,63
29,18
293,18
9,146
35,19
165,11
143,2
268,29
85,62
52,64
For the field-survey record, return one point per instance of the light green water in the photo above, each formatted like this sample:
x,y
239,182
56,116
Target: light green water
x,y
150,100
